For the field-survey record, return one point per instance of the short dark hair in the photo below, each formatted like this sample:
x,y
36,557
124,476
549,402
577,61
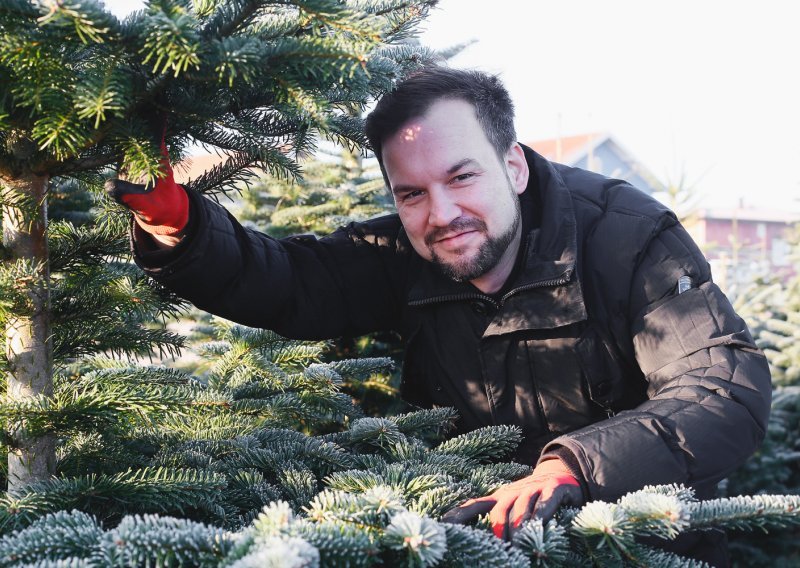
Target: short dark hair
x,y
414,96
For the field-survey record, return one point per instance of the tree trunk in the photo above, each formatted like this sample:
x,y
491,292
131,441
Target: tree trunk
x,y
28,342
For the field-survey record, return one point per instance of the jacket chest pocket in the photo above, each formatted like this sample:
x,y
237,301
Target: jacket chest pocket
x,y
577,377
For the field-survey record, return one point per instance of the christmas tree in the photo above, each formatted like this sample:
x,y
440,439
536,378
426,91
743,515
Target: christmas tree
x,y
257,80
772,310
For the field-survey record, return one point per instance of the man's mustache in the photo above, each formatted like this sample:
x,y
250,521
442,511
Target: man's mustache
x,y
456,226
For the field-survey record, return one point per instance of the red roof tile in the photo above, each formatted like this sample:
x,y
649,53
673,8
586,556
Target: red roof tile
x,y
560,149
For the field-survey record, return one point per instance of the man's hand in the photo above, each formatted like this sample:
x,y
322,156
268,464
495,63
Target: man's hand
x,y
161,209
550,486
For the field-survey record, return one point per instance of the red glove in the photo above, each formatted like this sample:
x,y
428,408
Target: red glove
x,y
550,486
160,209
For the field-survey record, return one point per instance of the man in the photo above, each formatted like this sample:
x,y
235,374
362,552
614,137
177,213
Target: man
x,y
529,293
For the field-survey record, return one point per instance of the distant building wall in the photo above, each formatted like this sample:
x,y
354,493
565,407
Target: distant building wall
x,y
742,245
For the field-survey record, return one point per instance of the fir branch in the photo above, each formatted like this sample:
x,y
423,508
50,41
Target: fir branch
x,y
545,544
427,423
436,501
53,537
747,512
467,546
170,40
423,540
87,408
87,18
150,540
380,432
371,509
484,443
646,556
339,544
154,490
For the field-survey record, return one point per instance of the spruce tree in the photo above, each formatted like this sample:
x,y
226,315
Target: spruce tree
x,y
258,80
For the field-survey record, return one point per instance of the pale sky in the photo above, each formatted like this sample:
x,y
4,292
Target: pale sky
x,y
705,88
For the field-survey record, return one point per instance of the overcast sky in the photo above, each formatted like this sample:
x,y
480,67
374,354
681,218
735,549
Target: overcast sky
x,y
706,88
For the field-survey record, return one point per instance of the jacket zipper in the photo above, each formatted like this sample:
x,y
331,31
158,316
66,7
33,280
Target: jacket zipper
x,y
560,281
454,298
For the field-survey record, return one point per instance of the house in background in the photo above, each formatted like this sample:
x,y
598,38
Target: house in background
x,y
741,243
744,243
600,153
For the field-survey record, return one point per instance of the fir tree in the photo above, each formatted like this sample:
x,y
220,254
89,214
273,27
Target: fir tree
x,y
377,527
772,311
256,79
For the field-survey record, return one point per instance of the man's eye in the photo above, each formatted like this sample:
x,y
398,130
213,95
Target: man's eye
x,y
462,177
411,195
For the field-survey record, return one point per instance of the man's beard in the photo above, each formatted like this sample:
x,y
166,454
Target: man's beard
x,y
488,255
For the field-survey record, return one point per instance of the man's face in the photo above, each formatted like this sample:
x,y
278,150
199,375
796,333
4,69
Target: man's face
x,y
456,198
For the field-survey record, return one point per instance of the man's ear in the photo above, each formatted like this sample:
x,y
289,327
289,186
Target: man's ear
x,y
517,168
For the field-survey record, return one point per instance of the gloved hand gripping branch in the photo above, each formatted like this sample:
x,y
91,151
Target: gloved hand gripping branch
x,y
161,208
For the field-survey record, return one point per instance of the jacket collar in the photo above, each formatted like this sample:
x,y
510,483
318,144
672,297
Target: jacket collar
x,y
544,289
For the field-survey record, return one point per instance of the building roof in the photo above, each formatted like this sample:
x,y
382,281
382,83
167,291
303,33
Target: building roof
x,y
584,151
567,149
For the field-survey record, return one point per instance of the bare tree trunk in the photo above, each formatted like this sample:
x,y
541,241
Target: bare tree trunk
x,y
28,342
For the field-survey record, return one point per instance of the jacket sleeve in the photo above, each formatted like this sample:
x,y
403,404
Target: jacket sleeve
x,y
348,283
708,385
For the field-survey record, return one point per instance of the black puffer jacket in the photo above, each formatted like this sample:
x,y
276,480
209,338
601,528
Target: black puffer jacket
x,y
589,347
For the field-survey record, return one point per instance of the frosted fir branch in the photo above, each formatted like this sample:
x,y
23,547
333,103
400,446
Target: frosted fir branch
x,y
353,480
339,544
379,432
456,466
645,556
747,512
373,508
484,443
422,540
467,546
322,376
604,521
280,552
274,519
299,484
362,369
436,501
656,514
406,450
678,490
163,541
52,537
429,422
546,545
483,481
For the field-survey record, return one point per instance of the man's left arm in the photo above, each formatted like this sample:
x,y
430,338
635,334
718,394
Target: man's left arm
x,y
708,400
708,391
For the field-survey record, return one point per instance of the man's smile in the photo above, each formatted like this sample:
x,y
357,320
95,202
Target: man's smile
x,y
456,240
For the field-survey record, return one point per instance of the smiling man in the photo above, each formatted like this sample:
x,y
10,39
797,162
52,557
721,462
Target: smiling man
x,y
528,293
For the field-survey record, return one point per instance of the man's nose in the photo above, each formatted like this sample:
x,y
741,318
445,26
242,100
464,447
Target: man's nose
x,y
443,209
